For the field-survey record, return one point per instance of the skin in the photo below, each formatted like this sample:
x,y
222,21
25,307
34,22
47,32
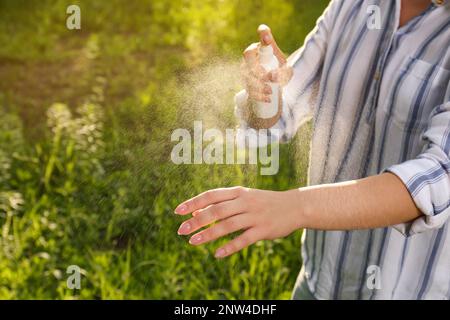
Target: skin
x,y
411,8
372,202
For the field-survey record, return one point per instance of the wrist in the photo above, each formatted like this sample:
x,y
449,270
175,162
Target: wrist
x,y
300,209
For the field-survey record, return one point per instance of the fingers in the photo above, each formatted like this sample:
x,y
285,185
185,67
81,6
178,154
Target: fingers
x,y
258,86
256,83
251,59
282,75
242,241
211,214
221,229
229,208
257,89
207,198
255,96
266,37
251,54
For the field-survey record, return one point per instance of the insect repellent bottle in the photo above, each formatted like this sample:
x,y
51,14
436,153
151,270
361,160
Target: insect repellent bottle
x,y
267,110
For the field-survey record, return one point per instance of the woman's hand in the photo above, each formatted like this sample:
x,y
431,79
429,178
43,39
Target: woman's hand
x,y
254,76
261,214
373,202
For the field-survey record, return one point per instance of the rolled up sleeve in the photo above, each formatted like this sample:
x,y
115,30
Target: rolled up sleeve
x,y
427,177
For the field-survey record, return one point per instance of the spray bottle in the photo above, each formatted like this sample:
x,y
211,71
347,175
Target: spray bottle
x,y
267,110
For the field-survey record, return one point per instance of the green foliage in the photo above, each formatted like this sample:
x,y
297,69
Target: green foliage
x,y
89,181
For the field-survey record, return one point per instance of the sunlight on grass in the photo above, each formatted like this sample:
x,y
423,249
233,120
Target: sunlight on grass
x,y
85,171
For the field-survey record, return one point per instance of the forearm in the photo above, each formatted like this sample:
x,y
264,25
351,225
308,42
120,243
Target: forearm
x,y
372,202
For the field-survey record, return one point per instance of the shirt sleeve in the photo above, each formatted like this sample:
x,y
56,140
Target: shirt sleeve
x,y
299,96
427,177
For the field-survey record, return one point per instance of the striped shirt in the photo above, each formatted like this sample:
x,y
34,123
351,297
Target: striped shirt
x,y
379,97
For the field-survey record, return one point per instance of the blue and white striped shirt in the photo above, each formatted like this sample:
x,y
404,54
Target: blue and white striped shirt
x,y
380,100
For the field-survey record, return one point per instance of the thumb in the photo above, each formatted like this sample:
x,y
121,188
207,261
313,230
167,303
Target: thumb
x,y
266,38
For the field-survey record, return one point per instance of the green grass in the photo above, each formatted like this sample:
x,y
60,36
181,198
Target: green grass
x,y
85,171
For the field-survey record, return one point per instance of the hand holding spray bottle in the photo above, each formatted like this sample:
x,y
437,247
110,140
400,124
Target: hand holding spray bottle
x,y
265,67
267,60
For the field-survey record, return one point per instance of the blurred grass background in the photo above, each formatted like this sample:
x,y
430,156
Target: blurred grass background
x,y
85,171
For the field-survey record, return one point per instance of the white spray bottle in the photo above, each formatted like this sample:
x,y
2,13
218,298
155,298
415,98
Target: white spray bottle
x,y
267,110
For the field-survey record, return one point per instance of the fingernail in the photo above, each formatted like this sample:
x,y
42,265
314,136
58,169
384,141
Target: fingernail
x,y
184,228
267,38
181,208
220,253
195,239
